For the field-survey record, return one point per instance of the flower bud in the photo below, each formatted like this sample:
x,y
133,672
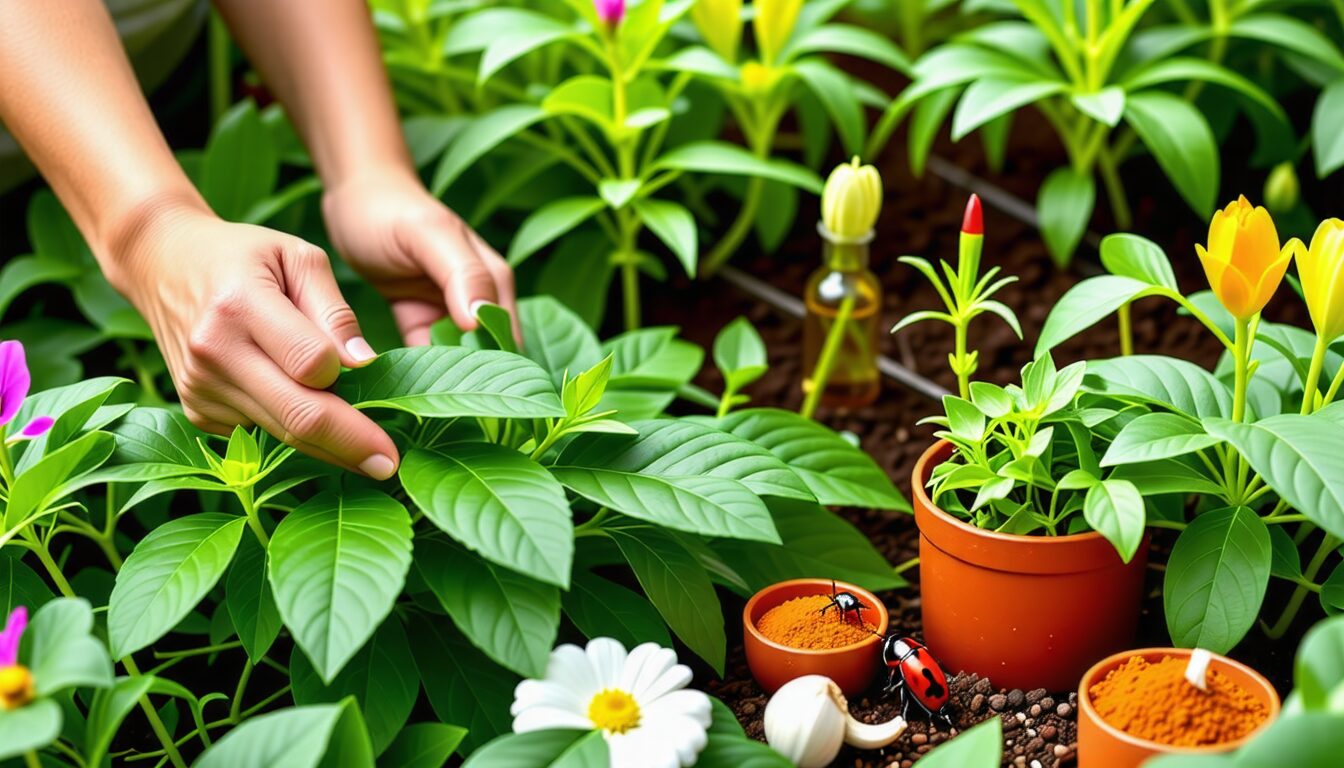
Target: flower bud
x,y
720,24
1281,188
1243,261
851,199
774,24
610,12
1321,268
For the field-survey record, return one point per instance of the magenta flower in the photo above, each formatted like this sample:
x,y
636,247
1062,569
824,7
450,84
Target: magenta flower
x,y
10,637
16,682
14,383
610,12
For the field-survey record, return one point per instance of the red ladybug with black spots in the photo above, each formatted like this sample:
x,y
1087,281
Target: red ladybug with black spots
x,y
913,671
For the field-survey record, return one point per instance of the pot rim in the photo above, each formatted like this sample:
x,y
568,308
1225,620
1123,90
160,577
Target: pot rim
x,y
749,625
1270,696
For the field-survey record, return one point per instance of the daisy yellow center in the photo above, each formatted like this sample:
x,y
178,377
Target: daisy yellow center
x,y
614,711
16,687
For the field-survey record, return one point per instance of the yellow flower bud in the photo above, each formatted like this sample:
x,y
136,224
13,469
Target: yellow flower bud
x,y
1321,269
1243,261
16,687
851,200
758,78
774,25
720,23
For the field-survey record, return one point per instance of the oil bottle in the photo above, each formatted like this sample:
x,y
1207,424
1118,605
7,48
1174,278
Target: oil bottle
x,y
843,297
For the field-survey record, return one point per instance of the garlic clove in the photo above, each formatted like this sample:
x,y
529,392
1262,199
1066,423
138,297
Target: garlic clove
x,y
1197,669
873,735
805,721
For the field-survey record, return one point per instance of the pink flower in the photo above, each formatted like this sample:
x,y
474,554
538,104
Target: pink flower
x,y
9,638
14,383
16,682
610,12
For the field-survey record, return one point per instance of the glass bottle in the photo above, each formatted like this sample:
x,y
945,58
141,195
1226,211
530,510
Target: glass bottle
x,y
843,290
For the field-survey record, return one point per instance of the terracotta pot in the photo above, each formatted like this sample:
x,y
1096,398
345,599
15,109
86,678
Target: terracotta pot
x,y
1025,611
852,667
1101,745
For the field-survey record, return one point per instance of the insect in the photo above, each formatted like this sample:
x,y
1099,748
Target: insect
x,y
913,671
845,603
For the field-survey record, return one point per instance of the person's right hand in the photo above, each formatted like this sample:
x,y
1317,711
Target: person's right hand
x,y
253,328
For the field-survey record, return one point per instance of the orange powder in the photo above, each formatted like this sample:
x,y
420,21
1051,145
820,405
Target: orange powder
x,y
799,623
1155,702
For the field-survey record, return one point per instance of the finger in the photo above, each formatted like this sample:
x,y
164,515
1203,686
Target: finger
x,y
502,274
447,255
317,422
291,340
310,284
415,319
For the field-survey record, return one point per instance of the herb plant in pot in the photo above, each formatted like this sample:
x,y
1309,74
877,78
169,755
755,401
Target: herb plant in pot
x,y
1031,555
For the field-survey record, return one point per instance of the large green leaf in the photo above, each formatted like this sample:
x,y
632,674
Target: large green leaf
x,y
1299,457
73,407
1063,209
29,728
679,588
19,585
1285,32
536,749
169,572
463,686
1326,139
1216,579
382,677
56,475
1115,509
834,471
1159,380
837,94
497,502
1157,436
483,134
1184,69
556,338
599,608
319,736
549,222
855,41
1138,258
240,164
158,436
720,157
675,226
446,382
337,564
987,99
1182,143
979,747
423,745
250,602
1320,663
1086,304
510,38
59,648
107,712
511,618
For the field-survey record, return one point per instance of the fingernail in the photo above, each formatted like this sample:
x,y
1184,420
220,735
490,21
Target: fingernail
x,y
378,466
360,350
476,305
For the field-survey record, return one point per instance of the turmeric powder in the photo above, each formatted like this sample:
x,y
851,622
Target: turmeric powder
x,y
1154,701
799,623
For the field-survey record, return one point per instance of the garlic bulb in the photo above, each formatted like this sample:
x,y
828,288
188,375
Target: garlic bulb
x,y
807,720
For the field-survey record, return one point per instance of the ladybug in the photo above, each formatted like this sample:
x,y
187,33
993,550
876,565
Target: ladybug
x,y
845,603
913,671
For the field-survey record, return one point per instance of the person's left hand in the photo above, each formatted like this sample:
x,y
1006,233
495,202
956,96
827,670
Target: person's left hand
x,y
419,255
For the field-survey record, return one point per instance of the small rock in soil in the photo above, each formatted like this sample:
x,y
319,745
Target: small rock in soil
x,y
998,701
1035,695
1015,698
1064,710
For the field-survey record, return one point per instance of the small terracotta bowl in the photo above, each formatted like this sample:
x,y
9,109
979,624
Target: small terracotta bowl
x,y
1102,745
851,667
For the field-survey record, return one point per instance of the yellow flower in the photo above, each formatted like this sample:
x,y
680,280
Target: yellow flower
x,y
774,24
1243,261
720,23
1321,269
16,687
851,199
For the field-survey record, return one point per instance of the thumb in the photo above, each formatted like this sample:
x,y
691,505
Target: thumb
x,y
312,287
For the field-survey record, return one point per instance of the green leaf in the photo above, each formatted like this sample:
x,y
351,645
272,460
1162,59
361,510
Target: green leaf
x,y
462,684
1138,258
675,226
326,735
725,751
534,749
556,338
107,712
1105,106
720,157
1332,591
29,728
55,476
423,745
1155,478
678,587
446,382
250,602
1166,381
158,436
1115,509
59,648
1182,143
527,523
1185,69
1302,740
496,328
21,273
837,95
483,134
1299,457
836,472
929,116
1319,668
956,64
1063,209
1157,436
1085,305
549,222
241,164
988,98
1288,34
618,192
337,564
739,354
652,358
1216,579
53,233
1285,560
381,677
512,618
167,575
600,608
586,96
19,585
815,541
978,747
511,38
855,41
1326,139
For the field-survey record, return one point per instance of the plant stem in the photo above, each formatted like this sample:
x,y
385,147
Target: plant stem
x,y
826,360
1328,544
245,497
907,565
31,760
1126,331
53,570
1312,384
155,723
1115,188
963,367
236,706
630,292
198,651
1241,354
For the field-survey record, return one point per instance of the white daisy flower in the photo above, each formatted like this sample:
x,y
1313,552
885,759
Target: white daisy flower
x,y
638,700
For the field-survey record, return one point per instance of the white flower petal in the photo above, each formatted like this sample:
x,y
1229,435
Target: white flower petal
x,y
646,664
690,704
607,657
531,693
674,678
640,748
543,718
569,667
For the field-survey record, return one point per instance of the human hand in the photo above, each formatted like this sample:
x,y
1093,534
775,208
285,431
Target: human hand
x,y
419,255
253,328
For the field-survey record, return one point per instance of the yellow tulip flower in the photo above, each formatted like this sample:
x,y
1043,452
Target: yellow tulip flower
x,y
1243,261
774,24
720,23
851,199
1321,268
